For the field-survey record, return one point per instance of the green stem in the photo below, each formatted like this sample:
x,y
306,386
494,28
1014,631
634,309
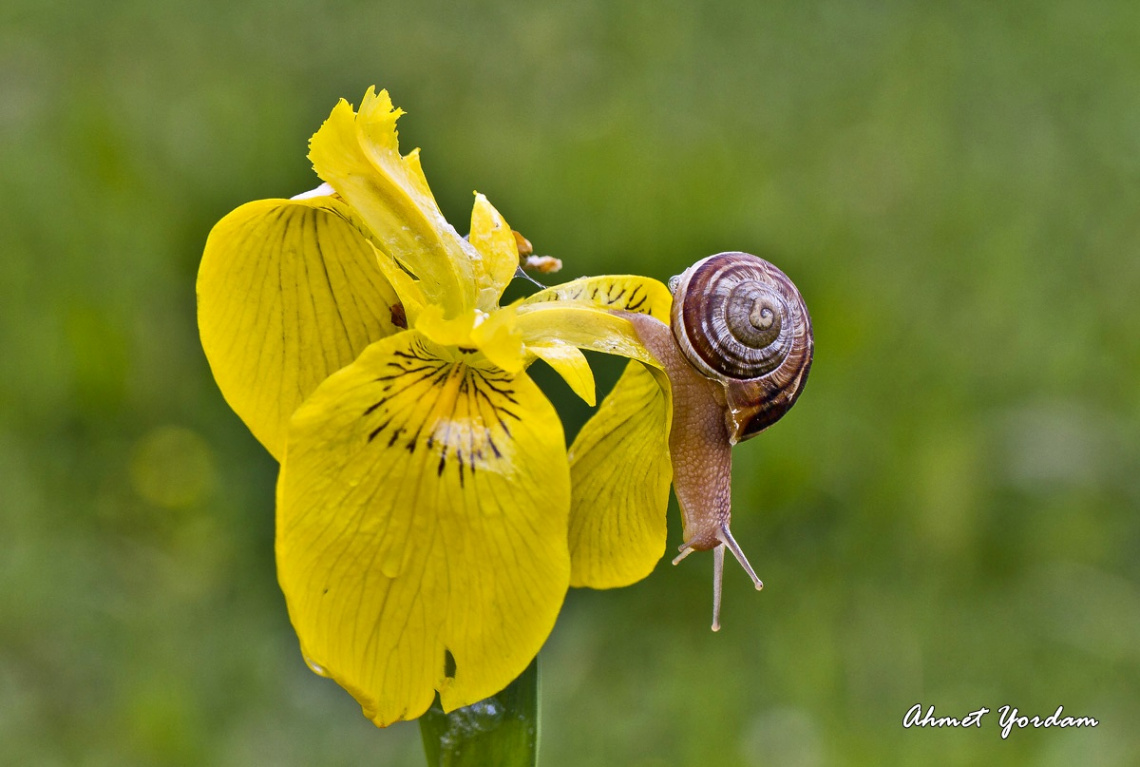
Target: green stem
x,y
501,731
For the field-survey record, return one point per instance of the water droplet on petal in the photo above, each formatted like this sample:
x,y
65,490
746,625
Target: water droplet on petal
x,y
315,667
391,562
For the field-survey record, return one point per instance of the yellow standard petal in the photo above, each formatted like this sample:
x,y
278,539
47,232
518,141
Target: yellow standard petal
x,y
289,291
421,530
358,154
498,252
620,475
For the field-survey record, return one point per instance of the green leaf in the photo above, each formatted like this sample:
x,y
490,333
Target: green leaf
x,y
499,731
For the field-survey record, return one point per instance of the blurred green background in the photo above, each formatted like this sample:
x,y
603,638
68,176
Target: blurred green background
x,y
948,517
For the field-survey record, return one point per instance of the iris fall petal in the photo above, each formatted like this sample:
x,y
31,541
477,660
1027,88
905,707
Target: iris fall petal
x,y
288,292
422,517
620,475
619,462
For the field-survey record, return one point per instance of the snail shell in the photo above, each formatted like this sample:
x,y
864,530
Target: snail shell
x,y
740,320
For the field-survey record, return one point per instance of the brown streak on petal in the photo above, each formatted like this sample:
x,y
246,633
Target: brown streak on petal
x,y
399,318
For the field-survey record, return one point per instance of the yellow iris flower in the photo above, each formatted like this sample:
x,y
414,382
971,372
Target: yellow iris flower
x,y
429,514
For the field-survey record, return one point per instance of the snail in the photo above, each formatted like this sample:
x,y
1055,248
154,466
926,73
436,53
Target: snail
x,y
737,353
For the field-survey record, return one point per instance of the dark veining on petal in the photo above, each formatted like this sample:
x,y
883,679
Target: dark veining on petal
x,y
504,392
378,429
634,303
457,412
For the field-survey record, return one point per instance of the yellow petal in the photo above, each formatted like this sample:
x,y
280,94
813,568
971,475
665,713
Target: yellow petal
x,y
620,460
407,287
584,326
359,155
499,339
422,516
455,331
490,337
498,251
571,364
620,475
288,292
630,293
583,313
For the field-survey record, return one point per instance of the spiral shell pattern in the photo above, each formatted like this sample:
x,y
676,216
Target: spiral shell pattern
x,y
740,320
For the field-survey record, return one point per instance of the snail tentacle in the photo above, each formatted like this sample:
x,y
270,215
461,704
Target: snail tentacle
x,y
726,539
686,550
718,579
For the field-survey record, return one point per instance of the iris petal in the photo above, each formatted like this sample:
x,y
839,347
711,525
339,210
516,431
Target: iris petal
x,y
288,292
619,462
359,155
406,286
421,536
497,248
622,292
583,326
620,475
572,365
586,313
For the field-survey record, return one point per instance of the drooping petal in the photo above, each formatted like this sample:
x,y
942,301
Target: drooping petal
x,y
288,292
498,250
584,313
421,531
620,475
620,467
583,326
571,364
359,155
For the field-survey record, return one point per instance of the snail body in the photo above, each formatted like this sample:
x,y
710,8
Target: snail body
x,y
737,354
